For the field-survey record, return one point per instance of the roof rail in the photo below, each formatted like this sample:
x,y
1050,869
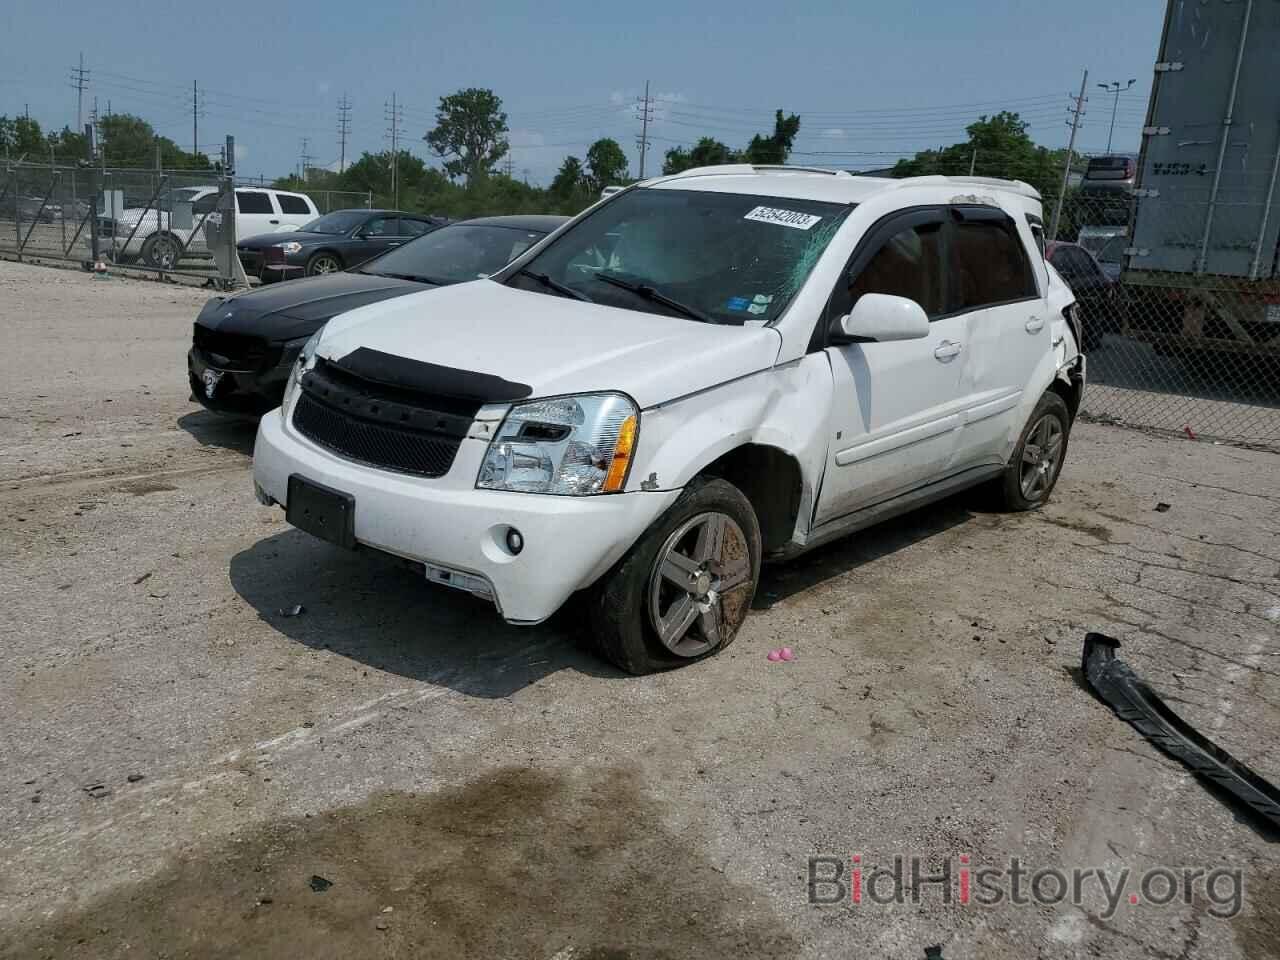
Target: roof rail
x,y
731,169
1011,186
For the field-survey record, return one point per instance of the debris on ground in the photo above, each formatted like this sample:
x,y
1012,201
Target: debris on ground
x,y
138,580
97,790
1162,507
1128,695
319,884
135,777
296,610
781,654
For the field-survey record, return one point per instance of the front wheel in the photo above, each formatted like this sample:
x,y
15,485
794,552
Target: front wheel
x,y
1037,459
323,263
161,251
683,590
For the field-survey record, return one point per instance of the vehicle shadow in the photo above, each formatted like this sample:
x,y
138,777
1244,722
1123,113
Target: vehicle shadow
x,y
372,609
211,429
779,581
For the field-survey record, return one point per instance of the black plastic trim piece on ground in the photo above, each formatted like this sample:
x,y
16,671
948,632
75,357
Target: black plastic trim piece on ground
x,y
1124,691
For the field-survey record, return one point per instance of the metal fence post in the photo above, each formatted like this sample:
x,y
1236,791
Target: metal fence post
x,y
93,194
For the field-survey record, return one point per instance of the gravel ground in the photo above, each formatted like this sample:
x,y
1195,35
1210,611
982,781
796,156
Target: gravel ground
x,y
187,771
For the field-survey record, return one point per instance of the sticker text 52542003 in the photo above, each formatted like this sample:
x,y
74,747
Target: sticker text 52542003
x,y
783,218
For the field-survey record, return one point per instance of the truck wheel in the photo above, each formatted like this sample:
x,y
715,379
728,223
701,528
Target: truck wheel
x,y
161,251
685,587
1037,459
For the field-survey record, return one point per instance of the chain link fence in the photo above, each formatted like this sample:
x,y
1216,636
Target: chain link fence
x,y
166,221
1181,310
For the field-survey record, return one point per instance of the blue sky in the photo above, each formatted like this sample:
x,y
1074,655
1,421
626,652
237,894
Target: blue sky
x,y
870,81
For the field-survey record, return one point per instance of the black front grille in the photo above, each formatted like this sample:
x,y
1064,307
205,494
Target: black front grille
x,y
379,425
251,260
234,351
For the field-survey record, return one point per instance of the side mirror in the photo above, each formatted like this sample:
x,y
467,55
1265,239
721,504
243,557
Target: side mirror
x,y
881,317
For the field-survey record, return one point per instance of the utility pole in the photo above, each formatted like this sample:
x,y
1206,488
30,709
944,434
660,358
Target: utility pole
x,y
344,128
1077,111
973,161
394,115
1115,88
305,159
645,105
195,117
80,80
508,166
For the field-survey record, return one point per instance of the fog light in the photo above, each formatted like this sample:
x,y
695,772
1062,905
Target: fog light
x,y
515,540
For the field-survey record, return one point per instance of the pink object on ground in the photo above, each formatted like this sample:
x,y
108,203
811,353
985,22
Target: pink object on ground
x,y
774,656
787,653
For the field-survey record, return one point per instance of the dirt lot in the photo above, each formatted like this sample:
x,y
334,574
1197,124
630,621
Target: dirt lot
x,y
184,767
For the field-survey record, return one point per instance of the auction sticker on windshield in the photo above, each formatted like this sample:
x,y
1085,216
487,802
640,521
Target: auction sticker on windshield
x,y
783,218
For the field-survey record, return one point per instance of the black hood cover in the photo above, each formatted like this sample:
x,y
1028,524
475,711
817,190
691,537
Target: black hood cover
x,y
298,308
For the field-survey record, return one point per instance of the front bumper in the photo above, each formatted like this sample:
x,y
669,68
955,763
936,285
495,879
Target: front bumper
x,y
457,532
241,392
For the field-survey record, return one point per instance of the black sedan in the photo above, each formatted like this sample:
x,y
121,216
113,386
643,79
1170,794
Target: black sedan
x,y
244,345
331,243
1097,295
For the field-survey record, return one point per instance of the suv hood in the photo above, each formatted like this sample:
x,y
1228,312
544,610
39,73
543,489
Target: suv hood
x,y
555,344
298,308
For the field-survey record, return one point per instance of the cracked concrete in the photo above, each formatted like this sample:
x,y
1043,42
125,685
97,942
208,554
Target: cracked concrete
x,y
404,744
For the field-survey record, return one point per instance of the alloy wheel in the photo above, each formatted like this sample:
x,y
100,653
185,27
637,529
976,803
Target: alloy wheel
x,y
705,562
1041,457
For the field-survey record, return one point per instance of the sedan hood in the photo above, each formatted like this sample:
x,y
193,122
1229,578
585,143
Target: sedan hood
x,y
555,344
298,308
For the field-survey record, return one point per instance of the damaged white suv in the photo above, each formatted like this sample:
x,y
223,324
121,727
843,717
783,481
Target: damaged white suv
x,y
700,373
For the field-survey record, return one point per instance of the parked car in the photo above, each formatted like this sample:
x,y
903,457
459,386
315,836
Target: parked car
x,y
764,360
1097,294
160,239
334,242
244,345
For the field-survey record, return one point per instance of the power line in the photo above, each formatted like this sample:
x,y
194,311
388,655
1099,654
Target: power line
x,y
344,128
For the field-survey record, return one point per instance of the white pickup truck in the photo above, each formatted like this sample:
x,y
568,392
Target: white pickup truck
x,y
159,238
700,373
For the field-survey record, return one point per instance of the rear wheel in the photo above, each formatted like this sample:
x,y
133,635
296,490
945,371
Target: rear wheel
x,y
1037,459
161,251
323,263
684,589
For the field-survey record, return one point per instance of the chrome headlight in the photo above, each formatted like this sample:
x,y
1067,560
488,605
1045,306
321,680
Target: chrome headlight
x,y
293,246
306,357
570,446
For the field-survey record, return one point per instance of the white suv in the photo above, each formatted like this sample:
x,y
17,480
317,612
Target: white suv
x,y
577,422
160,239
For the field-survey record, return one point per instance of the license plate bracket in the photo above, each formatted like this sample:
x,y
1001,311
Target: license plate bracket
x,y
322,511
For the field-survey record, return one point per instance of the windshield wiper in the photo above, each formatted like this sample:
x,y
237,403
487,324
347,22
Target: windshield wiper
x,y
649,293
555,285
415,277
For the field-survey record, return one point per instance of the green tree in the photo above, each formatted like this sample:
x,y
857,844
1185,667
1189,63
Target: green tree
x,y
569,178
607,163
706,152
128,141
21,136
776,148
997,146
470,134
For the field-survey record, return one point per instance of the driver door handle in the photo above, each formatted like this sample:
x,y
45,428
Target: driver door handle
x,y
1035,325
948,350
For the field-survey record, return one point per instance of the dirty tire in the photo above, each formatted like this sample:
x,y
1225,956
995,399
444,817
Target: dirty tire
x,y
1019,488
161,251
323,262
622,607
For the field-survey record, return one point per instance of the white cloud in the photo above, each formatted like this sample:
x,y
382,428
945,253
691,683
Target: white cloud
x,y
322,87
833,133
525,138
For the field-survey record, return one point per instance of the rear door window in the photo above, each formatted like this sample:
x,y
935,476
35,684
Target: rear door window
x,y
988,263
253,201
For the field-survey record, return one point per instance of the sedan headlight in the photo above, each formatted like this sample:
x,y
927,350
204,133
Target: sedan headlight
x,y
306,356
292,247
570,446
